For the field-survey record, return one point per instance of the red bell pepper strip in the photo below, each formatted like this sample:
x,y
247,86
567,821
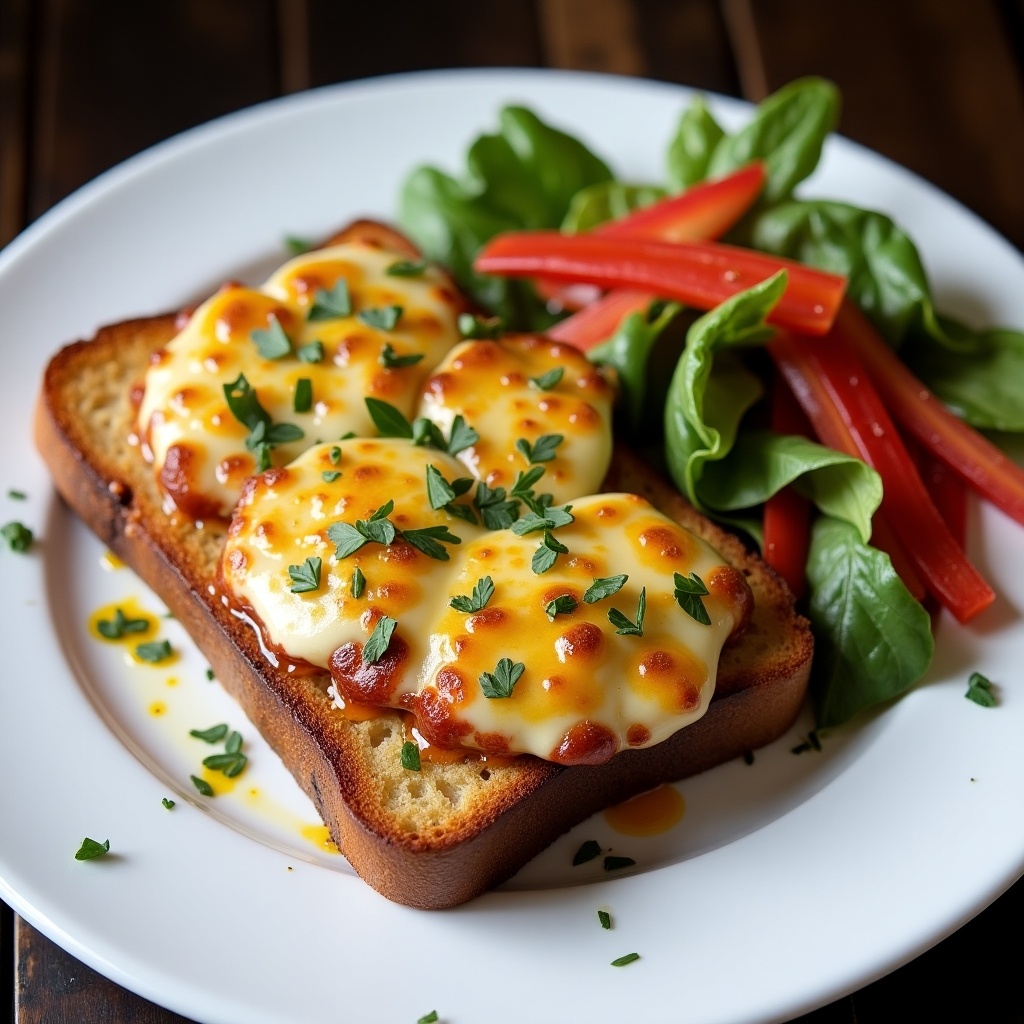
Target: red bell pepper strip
x,y
972,457
947,490
833,387
884,538
701,213
787,514
699,274
600,320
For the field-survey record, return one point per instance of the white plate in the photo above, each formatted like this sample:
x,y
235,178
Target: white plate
x,y
788,882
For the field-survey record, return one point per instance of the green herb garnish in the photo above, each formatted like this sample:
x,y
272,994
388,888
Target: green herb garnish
x,y
604,587
154,652
428,1018
588,851
547,553
542,450
380,640
302,401
389,421
551,519
313,352
330,305
167,803
334,455
212,735
605,918
305,577
90,849
429,541
17,495
271,342
410,756
627,959
546,381
440,492
481,328
462,436
377,529
689,593
358,584
381,318
406,268
979,689
297,246
623,626
564,605
497,512
330,475
501,682
390,360
115,628
618,863
483,591
17,535
202,785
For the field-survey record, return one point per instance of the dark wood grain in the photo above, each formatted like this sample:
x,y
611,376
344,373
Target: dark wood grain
x,y
15,48
116,76
933,84
55,988
350,41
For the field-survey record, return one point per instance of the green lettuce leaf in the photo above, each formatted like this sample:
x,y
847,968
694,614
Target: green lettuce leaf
x,y
762,463
607,200
711,389
873,640
692,146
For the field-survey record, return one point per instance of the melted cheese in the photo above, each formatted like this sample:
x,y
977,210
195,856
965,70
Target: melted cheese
x,y
283,518
196,444
492,386
585,691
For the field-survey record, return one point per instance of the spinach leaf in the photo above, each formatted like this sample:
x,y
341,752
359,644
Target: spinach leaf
x,y
607,200
873,639
787,131
523,177
711,389
762,463
628,350
692,146
985,387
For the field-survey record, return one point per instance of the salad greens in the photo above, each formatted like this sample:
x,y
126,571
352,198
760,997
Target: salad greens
x,y
873,639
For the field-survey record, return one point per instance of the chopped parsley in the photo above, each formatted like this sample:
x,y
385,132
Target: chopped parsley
x,y
605,918
302,401
546,381
603,587
428,1018
311,353
497,511
501,682
378,529
358,584
440,492
119,625
627,959
391,360
167,803
18,536
17,495
212,735
547,553
979,689
381,318
483,591
551,519
462,436
154,651
330,475
380,640
389,421
297,246
202,785
305,577
480,328
271,342
564,605
618,863
90,849
232,762
588,851
542,450
623,626
429,541
334,455
407,268
410,756
330,305
263,433
689,594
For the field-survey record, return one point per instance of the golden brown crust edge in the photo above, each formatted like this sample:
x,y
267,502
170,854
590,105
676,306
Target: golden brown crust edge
x,y
536,801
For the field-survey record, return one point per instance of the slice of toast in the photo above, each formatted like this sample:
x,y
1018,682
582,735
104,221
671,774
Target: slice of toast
x,y
439,837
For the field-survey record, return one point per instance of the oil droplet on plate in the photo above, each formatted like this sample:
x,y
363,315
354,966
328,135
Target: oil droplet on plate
x,y
110,562
320,836
648,814
157,708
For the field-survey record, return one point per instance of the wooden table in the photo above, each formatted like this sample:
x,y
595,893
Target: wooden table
x,y
937,85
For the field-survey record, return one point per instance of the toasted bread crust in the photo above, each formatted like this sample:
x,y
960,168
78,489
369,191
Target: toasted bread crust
x,y
455,830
